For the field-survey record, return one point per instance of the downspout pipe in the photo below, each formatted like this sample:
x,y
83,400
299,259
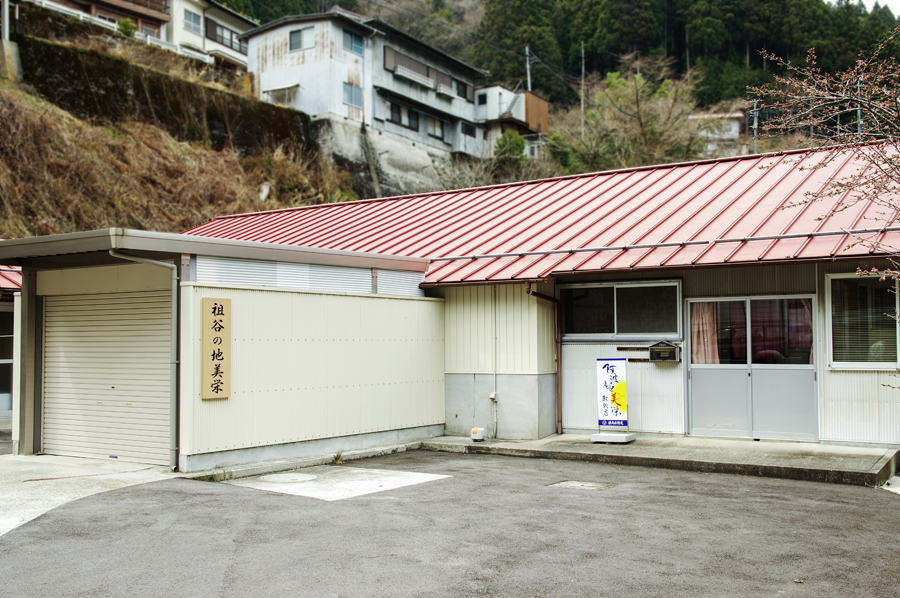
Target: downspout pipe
x,y
555,302
173,352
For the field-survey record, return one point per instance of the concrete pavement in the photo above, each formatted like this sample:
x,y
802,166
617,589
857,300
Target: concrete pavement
x,y
498,527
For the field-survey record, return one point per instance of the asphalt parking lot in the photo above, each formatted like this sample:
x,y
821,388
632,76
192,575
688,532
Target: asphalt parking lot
x,y
498,526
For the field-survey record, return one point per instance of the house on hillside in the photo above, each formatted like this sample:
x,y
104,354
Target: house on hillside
x,y
501,109
211,28
347,67
200,29
359,323
151,17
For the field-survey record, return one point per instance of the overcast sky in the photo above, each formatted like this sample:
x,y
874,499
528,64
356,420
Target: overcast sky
x,y
893,4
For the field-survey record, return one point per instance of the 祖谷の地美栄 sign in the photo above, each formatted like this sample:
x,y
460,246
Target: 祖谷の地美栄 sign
x,y
611,392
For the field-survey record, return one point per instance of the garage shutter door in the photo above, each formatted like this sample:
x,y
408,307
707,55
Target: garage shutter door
x,y
106,376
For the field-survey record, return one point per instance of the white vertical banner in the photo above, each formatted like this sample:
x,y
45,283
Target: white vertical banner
x,y
611,392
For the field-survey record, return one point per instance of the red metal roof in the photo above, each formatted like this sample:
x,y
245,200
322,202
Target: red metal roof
x,y
702,213
10,278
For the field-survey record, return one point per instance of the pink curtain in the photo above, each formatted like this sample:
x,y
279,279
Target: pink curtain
x,y
704,333
806,331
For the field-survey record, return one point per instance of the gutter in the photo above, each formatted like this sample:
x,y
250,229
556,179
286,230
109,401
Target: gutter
x,y
173,353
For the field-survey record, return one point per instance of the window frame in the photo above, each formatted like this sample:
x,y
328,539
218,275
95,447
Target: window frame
x,y
431,119
409,111
300,31
615,335
352,87
462,128
873,366
199,23
353,37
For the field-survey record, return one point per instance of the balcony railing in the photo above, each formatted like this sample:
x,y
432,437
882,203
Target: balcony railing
x,y
402,71
157,5
234,44
446,91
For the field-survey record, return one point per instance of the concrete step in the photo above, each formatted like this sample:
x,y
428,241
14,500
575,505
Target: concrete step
x,y
860,466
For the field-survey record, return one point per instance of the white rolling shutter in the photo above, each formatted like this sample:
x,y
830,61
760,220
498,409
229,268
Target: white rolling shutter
x,y
106,376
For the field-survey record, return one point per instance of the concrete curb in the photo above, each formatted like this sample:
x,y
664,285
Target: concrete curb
x,y
876,476
254,469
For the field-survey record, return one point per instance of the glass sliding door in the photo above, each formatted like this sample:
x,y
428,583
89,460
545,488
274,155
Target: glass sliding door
x,y
782,369
719,371
752,368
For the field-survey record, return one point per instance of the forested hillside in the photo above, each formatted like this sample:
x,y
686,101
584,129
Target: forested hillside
x,y
720,38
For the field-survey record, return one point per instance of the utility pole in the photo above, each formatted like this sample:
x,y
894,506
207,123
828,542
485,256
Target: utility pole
x,y
528,66
4,33
858,109
687,50
755,125
582,88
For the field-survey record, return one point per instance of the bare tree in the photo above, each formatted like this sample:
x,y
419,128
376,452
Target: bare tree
x,y
634,117
858,111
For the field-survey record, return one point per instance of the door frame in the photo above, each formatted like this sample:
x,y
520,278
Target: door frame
x,y
686,358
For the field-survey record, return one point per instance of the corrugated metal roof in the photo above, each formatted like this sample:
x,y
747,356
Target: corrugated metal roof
x,y
701,213
11,278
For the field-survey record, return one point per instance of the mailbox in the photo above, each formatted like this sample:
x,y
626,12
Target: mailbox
x,y
664,351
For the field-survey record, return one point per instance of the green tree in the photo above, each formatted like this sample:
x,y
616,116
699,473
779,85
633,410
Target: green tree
x,y
126,27
509,151
507,28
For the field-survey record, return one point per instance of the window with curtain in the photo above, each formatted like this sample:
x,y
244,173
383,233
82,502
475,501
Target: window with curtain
x,y
863,328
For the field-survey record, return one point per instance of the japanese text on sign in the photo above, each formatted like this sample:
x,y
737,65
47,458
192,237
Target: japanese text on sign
x,y
216,349
611,393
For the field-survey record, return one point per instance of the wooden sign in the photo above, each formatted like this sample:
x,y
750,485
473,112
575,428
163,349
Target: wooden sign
x,y
216,349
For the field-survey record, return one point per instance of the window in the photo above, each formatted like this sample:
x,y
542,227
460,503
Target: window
x,y
108,19
353,42
468,130
301,39
863,330
225,36
6,359
149,32
192,22
460,88
286,96
436,127
404,116
622,310
353,95
482,99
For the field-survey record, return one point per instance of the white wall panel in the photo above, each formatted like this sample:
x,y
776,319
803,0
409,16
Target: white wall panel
x,y
860,407
393,282
229,271
309,365
339,280
655,390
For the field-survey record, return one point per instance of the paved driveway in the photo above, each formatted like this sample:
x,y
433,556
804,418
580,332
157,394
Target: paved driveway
x,y
497,527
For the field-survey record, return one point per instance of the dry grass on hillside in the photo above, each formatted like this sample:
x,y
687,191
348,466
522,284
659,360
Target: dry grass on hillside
x,y
59,174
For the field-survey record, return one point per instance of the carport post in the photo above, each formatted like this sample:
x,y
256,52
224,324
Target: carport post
x,y
173,349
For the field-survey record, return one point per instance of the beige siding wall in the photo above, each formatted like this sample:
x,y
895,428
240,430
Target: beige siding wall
x,y
311,365
523,325
103,279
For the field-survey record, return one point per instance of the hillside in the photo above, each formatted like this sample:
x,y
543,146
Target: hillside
x,y
61,174
723,39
